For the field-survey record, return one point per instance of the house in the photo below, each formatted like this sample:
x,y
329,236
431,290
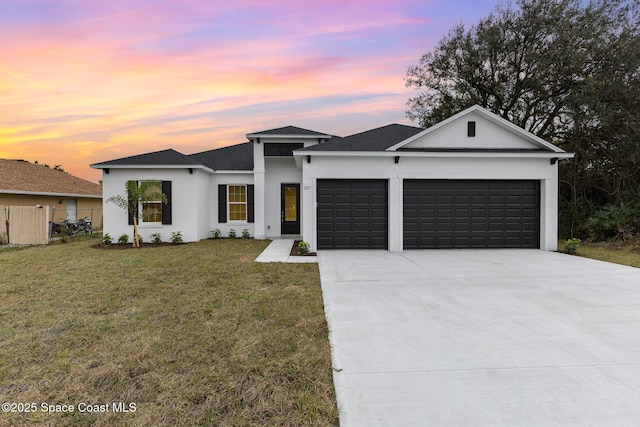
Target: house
x,y
474,180
69,197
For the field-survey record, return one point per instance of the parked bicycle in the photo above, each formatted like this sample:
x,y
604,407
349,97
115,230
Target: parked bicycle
x,y
72,228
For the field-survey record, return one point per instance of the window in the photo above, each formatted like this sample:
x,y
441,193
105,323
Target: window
x,y
237,202
151,212
471,129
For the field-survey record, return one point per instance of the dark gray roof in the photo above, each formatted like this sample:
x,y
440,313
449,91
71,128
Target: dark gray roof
x,y
378,139
157,158
289,130
234,157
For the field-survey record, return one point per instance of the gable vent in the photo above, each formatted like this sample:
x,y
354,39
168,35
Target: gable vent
x,y
471,129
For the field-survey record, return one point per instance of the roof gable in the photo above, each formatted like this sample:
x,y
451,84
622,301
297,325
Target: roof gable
x,y
23,177
491,133
378,139
288,131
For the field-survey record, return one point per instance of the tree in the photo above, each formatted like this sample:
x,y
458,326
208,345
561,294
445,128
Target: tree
x,y
137,193
564,70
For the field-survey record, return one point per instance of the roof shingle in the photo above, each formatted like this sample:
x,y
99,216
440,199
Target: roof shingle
x,y
157,158
19,176
234,157
378,139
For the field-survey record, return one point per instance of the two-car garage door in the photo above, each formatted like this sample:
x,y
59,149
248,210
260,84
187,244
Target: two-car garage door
x,y
471,214
436,214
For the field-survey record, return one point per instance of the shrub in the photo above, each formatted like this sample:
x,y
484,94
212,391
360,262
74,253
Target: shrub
x,y
303,248
176,237
571,246
139,238
245,234
216,234
3,239
107,239
232,234
123,239
612,221
156,238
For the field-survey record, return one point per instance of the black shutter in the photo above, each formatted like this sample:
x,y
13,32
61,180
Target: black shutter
x,y
166,208
222,203
131,214
250,203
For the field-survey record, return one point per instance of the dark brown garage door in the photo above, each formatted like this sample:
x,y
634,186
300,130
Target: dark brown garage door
x,y
352,214
471,214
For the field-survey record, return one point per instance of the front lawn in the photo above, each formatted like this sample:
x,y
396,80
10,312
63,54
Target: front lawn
x,y
616,252
193,334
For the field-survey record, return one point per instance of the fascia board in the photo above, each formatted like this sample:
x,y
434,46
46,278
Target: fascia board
x,y
251,136
41,193
107,166
494,154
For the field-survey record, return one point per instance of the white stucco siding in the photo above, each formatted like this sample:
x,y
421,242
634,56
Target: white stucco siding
x,y
278,171
454,135
184,202
348,167
203,191
235,178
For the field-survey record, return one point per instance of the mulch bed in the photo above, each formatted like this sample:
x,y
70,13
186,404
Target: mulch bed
x,y
118,246
294,250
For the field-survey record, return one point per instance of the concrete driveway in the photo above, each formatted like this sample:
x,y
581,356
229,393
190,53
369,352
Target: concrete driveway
x,y
482,338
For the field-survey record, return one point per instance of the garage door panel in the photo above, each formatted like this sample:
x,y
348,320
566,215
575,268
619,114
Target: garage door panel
x,y
352,214
471,213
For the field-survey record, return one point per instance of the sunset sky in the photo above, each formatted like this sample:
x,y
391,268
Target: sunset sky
x,y
88,81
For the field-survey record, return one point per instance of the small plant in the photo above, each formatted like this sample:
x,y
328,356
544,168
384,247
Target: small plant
x,y
303,248
571,246
176,237
156,238
123,239
64,232
107,239
140,239
245,234
216,234
3,239
232,234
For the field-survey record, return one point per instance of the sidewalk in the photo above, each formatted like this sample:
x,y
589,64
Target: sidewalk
x,y
278,251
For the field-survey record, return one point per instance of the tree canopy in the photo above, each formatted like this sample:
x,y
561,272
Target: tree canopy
x,y
567,71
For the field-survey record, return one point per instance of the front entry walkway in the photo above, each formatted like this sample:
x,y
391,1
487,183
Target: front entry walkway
x,y
279,251
482,338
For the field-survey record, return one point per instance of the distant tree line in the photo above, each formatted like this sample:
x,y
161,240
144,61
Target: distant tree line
x,y
567,71
56,167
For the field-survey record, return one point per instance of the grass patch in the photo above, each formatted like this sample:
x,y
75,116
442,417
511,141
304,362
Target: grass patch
x,y
193,334
616,252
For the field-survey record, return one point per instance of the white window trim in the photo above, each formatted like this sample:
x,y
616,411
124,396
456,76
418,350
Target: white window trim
x,y
245,203
140,205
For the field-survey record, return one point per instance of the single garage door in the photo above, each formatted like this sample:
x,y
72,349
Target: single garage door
x,y
471,214
352,214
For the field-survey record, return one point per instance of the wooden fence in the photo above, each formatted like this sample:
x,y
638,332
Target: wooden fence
x,y
24,225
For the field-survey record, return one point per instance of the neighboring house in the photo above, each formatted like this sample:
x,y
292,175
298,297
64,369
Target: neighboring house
x,y
69,197
474,180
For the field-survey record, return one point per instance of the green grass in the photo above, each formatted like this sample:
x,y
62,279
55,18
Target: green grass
x,y
616,252
193,334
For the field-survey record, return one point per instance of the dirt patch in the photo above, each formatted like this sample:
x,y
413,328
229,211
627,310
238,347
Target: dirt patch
x,y
294,250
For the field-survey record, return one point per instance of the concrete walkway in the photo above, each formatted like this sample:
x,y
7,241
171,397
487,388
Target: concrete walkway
x,y
482,338
279,250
